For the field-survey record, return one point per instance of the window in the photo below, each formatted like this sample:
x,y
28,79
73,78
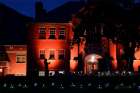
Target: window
x,y
62,33
42,54
42,33
61,54
20,58
3,57
52,57
52,33
75,58
41,73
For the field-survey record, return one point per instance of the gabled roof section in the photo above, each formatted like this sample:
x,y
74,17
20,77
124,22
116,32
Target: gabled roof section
x,y
13,26
64,13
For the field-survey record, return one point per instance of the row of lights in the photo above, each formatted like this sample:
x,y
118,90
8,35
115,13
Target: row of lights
x,y
108,73
72,85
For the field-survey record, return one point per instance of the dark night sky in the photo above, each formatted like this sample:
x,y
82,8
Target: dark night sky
x,y
26,7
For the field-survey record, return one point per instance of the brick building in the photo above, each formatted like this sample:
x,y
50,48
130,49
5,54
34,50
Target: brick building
x,y
53,38
13,60
51,41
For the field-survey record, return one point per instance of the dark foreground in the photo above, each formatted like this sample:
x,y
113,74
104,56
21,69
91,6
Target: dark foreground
x,y
72,83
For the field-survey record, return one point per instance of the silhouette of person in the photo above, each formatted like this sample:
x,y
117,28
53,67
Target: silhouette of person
x,y
46,68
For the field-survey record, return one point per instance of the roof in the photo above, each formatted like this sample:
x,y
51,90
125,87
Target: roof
x,y
13,28
64,13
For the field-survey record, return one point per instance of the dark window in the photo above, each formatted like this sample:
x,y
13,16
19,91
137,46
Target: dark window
x,y
75,58
52,57
52,33
62,33
42,33
61,54
42,54
3,56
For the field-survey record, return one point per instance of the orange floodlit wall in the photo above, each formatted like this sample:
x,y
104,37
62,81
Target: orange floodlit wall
x,y
74,60
48,44
136,62
136,65
113,54
74,54
17,60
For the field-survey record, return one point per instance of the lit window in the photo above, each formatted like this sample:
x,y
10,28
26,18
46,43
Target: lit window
x,y
62,33
61,54
42,54
52,33
52,57
41,73
42,33
20,58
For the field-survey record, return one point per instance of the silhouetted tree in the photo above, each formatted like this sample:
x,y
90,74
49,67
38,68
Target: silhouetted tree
x,y
119,24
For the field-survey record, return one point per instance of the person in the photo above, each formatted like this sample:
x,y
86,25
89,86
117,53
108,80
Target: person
x,y
46,68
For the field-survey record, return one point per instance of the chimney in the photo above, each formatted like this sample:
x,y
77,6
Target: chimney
x,y
40,13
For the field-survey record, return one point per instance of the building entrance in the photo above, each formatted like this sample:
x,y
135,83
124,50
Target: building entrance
x,y
91,63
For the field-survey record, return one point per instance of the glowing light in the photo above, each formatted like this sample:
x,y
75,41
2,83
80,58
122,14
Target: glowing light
x,y
1,70
93,58
61,72
91,63
51,73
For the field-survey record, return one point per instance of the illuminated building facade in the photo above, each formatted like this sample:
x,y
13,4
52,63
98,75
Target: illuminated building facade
x,y
108,36
13,60
74,37
136,64
82,43
51,41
